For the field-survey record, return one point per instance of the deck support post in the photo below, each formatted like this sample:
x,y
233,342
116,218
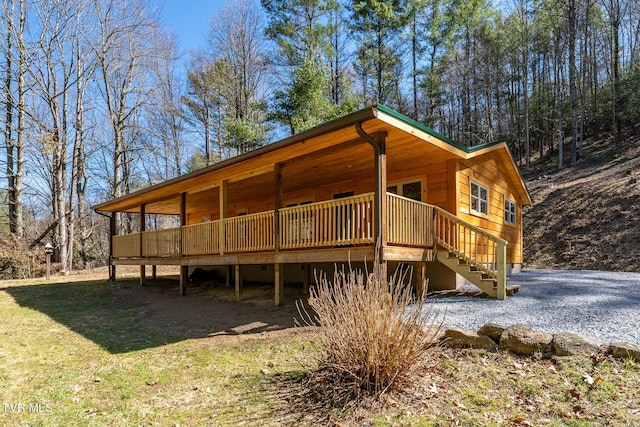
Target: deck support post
x,y
184,270
228,276
423,282
278,284
143,228
184,277
307,279
143,274
154,272
112,232
238,282
501,269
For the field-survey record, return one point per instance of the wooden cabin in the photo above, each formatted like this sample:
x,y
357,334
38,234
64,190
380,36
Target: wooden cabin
x,y
327,195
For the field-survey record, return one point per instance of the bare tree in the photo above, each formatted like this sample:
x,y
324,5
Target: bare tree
x,y
239,70
53,70
123,50
164,117
8,125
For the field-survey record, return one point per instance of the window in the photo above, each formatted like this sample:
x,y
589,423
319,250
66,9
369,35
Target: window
x,y
479,198
299,225
411,190
509,211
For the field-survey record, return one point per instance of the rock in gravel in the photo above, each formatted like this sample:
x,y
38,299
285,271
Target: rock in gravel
x,y
492,330
571,344
522,340
622,350
468,339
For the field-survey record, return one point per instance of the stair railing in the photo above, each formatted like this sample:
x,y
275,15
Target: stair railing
x,y
477,247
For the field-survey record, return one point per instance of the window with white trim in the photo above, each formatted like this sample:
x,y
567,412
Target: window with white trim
x,y
509,211
479,198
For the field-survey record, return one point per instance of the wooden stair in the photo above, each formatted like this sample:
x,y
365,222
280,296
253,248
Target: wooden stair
x,y
485,282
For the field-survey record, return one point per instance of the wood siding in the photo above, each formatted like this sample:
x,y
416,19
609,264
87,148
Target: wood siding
x,y
487,171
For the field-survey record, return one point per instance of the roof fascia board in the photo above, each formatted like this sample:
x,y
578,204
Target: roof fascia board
x,y
467,152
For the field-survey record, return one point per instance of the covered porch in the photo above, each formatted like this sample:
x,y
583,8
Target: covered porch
x,y
321,232
366,185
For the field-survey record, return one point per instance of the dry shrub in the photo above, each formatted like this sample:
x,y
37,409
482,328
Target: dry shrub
x,y
373,334
18,260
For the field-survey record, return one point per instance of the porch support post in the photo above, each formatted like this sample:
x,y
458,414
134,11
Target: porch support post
x,y
184,270
277,267
112,232
223,215
378,142
143,228
277,206
278,283
238,282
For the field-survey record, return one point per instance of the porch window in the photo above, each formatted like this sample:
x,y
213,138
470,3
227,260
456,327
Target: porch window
x,y
479,199
509,211
410,190
300,225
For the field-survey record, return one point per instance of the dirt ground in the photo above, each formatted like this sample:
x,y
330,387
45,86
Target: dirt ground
x,y
209,309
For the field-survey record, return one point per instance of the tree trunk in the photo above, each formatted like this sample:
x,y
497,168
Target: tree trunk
x,y
8,137
22,64
573,94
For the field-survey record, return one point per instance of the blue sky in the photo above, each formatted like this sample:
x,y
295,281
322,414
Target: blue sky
x,y
189,20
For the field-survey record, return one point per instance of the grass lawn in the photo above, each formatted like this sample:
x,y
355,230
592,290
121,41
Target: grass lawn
x,y
84,351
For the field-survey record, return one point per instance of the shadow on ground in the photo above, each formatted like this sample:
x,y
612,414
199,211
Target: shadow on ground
x,y
123,316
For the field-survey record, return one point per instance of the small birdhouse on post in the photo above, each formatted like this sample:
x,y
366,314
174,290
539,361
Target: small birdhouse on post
x,y
48,250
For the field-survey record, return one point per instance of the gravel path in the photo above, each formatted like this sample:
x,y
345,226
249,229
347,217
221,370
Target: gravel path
x,y
597,304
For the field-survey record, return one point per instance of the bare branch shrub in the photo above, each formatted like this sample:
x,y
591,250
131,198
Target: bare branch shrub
x,y
373,334
18,261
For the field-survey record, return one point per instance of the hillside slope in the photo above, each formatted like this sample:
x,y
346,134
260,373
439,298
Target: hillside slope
x,y
586,217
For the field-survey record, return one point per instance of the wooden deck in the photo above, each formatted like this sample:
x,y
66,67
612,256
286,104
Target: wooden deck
x,y
326,231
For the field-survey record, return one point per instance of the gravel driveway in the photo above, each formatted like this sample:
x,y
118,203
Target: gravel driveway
x,y
598,304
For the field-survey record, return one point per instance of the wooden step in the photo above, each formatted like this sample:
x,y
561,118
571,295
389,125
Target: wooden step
x,y
490,281
512,289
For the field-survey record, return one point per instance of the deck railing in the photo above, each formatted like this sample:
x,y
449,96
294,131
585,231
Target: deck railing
x,y
337,222
161,243
347,221
410,223
248,233
480,249
126,245
201,239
